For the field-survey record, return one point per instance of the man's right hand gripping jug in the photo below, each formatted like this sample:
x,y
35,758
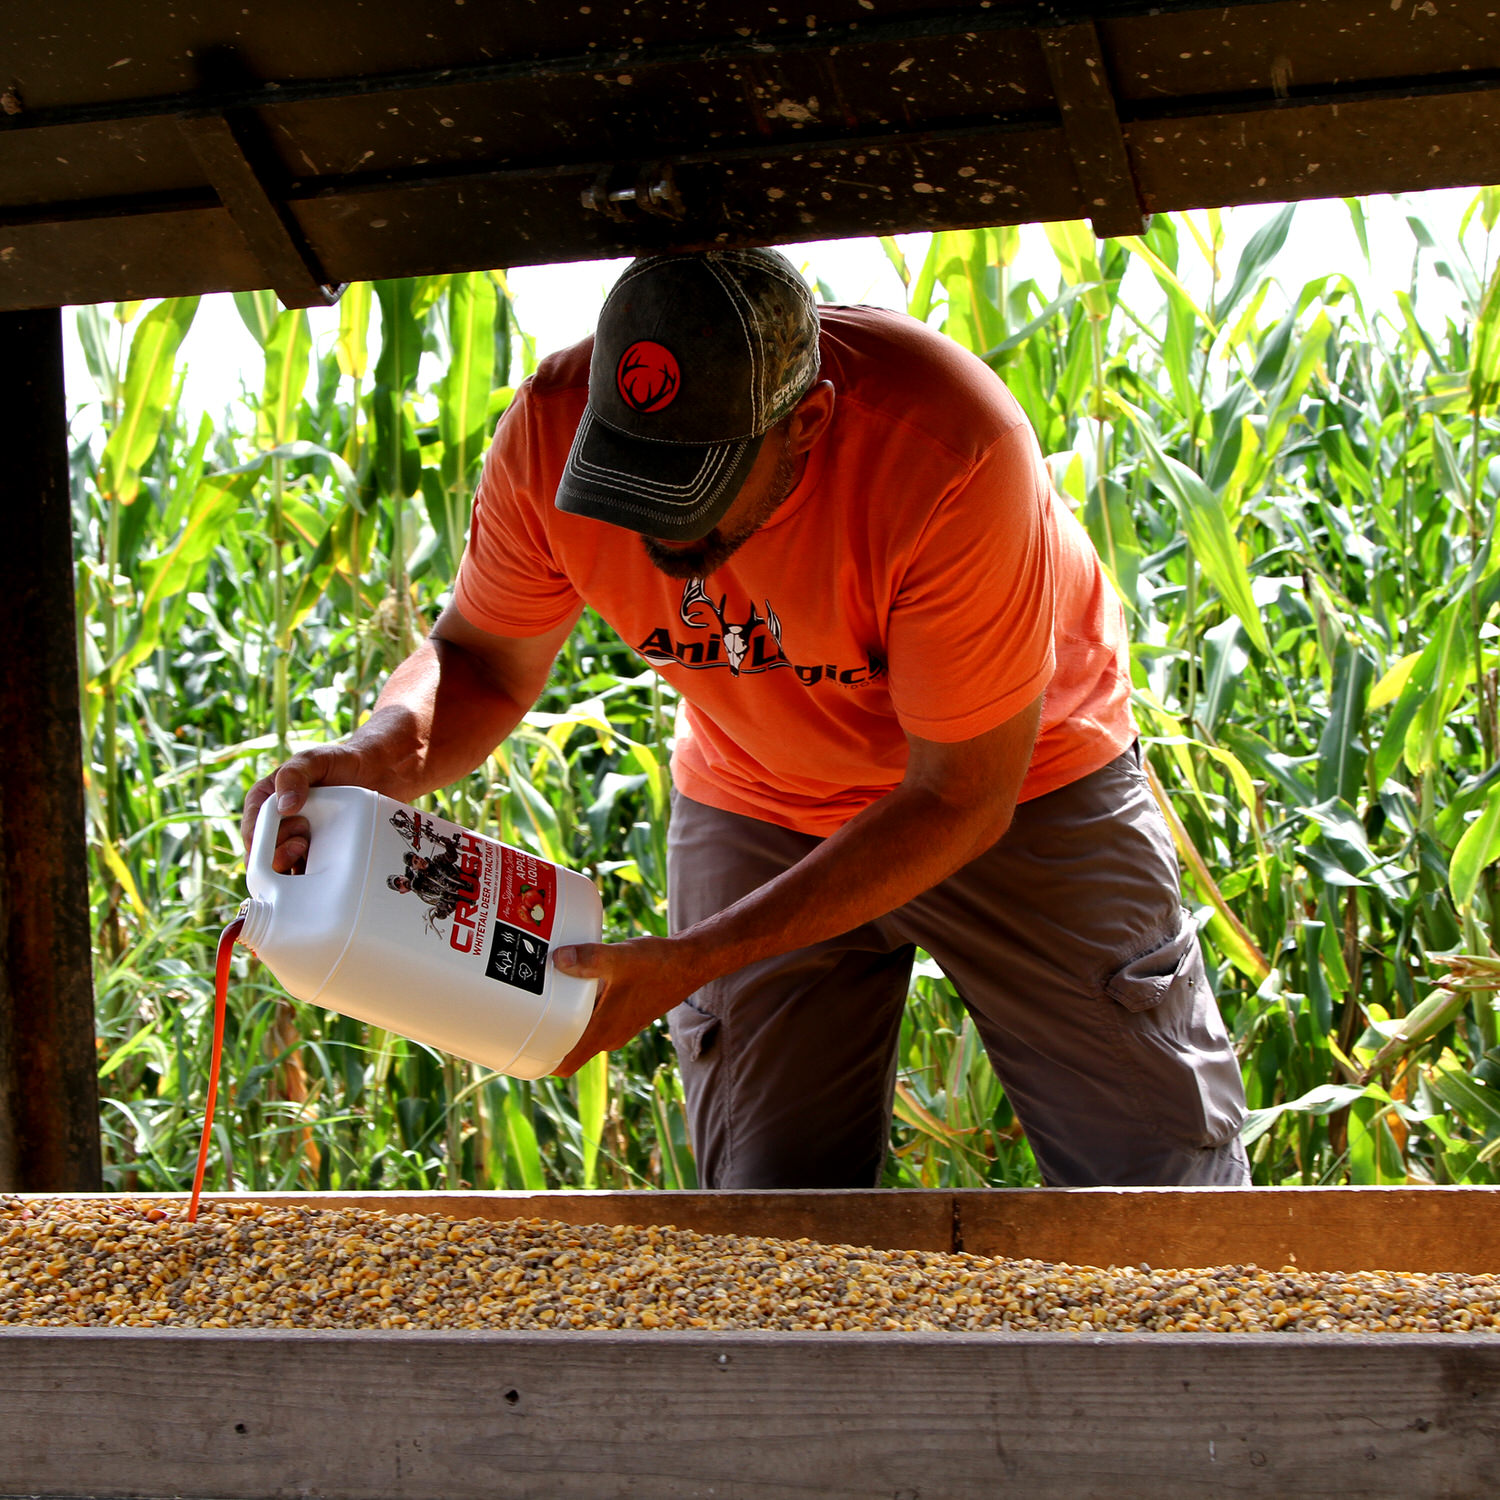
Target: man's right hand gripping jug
x,y
412,923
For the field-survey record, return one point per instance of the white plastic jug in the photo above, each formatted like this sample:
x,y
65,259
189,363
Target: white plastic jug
x,y
412,923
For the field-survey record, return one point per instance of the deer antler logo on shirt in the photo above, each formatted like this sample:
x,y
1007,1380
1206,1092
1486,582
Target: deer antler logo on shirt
x,y
647,376
736,637
743,647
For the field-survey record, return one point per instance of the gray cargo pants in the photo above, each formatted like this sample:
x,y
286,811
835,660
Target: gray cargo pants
x,y
1067,942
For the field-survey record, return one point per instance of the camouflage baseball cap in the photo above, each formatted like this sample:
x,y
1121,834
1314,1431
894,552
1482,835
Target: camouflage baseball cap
x,y
696,357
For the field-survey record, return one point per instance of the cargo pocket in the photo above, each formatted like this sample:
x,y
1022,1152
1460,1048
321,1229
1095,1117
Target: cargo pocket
x,y
1149,979
693,1031
1183,1064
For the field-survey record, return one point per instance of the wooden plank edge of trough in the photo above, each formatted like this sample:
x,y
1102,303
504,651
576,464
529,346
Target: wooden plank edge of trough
x,y
1434,1228
374,1414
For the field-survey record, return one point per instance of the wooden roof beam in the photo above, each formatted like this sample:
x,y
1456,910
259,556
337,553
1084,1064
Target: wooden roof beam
x,y
232,91
270,232
1109,195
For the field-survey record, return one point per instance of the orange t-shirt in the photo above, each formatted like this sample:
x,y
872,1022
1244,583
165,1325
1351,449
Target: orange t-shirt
x,y
922,577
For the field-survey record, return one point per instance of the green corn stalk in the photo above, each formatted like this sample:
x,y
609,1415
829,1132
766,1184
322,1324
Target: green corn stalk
x,y
352,352
464,397
398,463
137,430
287,348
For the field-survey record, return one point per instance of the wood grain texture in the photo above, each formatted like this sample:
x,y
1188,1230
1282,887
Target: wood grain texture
x,y
1317,1229
224,144
404,138
1077,65
424,1416
49,1095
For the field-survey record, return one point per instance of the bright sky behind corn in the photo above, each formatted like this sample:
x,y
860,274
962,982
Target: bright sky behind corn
x,y
558,304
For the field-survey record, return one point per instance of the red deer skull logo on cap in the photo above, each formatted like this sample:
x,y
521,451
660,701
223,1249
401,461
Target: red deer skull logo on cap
x,y
647,376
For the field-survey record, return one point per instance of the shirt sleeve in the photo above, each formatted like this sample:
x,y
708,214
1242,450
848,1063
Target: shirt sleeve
x,y
509,580
970,638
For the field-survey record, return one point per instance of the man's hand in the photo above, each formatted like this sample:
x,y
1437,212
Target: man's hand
x,y
289,783
639,982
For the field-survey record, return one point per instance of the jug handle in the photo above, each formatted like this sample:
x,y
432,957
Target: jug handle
x,y
321,809
263,843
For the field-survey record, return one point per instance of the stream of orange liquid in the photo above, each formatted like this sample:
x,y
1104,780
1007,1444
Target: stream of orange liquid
x,y
221,996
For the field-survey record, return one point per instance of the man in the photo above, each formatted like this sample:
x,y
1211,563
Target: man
x,y
906,723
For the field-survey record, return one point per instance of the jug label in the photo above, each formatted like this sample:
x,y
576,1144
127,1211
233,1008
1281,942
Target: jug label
x,y
528,891
480,896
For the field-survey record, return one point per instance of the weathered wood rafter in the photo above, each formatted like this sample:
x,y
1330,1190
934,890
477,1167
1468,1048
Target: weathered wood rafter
x,y
173,153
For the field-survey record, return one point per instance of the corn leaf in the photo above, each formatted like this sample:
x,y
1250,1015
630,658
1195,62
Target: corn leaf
x,y
148,387
1477,850
1341,756
520,1136
1484,362
1388,689
353,347
1322,1100
398,461
1077,254
1470,1096
1209,533
592,1082
1259,252
287,351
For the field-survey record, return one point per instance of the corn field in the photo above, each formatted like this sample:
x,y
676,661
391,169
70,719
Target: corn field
x,y
1294,496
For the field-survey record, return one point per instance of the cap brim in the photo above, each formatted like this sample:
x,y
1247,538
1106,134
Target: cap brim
x,y
675,491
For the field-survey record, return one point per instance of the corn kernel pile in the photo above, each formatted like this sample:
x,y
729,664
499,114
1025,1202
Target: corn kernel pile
x,y
248,1265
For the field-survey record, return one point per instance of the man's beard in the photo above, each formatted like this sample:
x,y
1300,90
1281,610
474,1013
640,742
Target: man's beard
x,y
711,552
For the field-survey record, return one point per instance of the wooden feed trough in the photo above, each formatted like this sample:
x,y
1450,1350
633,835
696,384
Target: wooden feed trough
x,y
149,150
375,1415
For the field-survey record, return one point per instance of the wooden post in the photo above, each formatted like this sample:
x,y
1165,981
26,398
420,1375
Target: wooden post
x,y
49,1093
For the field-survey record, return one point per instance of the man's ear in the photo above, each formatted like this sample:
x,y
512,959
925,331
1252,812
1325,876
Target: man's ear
x,y
810,418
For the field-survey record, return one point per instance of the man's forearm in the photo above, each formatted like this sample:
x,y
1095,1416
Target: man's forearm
x,y
437,717
954,802
892,851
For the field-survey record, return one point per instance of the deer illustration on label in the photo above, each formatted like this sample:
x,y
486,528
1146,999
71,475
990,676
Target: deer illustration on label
x,y
469,884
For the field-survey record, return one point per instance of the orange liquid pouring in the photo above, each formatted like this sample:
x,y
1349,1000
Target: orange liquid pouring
x,y
221,996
